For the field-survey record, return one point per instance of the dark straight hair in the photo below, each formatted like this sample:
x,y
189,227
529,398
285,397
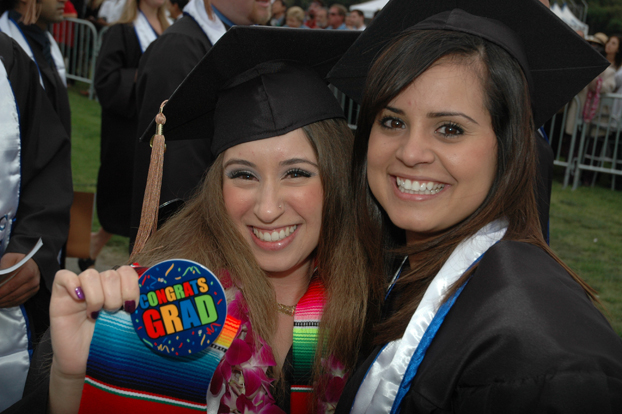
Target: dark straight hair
x,y
511,195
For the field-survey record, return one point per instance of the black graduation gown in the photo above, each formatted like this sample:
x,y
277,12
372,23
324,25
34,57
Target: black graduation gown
x,y
163,67
115,75
521,338
55,89
46,190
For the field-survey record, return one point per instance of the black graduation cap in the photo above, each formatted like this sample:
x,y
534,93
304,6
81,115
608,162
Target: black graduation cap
x,y
256,82
557,62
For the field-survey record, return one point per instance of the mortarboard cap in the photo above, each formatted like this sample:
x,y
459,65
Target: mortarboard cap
x,y
255,83
556,61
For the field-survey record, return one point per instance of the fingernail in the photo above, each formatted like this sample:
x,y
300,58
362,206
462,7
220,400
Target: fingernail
x,y
94,315
79,293
130,306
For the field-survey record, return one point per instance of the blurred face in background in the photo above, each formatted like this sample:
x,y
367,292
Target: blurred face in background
x,y
612,46
278,8
334,18
357,19
321,18
349,20
51,11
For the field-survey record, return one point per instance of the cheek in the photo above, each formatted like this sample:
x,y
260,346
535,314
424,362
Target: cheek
x,y
309,204
379,154
236,202
482,167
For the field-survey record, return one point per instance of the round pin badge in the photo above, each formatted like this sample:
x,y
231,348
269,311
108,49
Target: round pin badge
x,y
182,308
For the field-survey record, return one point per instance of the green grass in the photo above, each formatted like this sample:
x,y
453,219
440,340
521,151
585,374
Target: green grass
x,y
586,224
586,233
85,130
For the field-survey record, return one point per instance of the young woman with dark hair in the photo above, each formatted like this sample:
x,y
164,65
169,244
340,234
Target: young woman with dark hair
x,y
480,315
272,220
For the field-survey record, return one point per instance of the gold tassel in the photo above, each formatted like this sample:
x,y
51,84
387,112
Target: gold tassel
x,y
151,201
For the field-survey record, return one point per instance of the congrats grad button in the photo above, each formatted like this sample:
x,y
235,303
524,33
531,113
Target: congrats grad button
x,y
182,308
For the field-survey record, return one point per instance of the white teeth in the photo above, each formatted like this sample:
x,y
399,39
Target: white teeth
x,y
274,235
414,187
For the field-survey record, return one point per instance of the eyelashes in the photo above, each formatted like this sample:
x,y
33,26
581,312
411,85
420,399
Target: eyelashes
x,y
447,129
241,174
390,122
450,129
249,175
298,172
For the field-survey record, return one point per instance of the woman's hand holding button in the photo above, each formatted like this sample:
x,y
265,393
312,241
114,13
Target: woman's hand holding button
x,y
75,306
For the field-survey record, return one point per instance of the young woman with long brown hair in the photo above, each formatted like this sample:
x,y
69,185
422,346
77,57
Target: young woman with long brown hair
x,y
481,315
272,220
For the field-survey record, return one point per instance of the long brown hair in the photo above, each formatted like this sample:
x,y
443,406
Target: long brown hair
x,y
511,195
130,11
202,231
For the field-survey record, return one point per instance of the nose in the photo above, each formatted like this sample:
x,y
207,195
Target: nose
x,y
416,149
268,206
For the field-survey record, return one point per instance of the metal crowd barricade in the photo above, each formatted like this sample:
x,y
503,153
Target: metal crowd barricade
x,y
599,146
350,108
77,40
564,144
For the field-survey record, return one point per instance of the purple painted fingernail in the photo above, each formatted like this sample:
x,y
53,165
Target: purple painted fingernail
x,y
79,293
94,315
130,306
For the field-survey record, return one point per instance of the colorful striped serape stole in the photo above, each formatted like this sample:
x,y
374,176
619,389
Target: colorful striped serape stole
x,y
306,325
124,375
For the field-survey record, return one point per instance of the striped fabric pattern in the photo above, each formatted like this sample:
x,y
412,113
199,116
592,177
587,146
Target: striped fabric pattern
x,y
122,372
306,325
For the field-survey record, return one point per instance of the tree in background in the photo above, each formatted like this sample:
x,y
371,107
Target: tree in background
x,y
604,16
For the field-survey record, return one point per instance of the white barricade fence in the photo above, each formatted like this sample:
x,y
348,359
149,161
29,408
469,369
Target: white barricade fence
x,y
564,144
78,43
350,108
600,149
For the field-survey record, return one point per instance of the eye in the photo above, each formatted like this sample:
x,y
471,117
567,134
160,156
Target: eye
x,y
297,173
450,130
241,174
390,122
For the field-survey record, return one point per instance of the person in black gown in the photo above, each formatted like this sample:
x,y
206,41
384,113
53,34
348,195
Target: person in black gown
x,y
115,82
163,67
33,37
41,189
480,316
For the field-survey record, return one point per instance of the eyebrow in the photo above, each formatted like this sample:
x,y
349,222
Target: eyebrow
x,y
238,161
443,114
435,114
291,161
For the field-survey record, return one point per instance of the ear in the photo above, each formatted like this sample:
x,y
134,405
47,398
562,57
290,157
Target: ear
x,y
28,10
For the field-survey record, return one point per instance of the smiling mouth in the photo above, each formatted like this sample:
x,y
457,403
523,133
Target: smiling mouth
x,y
274,235
418,187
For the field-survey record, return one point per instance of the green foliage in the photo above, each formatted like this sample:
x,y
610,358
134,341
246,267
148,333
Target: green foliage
x,y
604,16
